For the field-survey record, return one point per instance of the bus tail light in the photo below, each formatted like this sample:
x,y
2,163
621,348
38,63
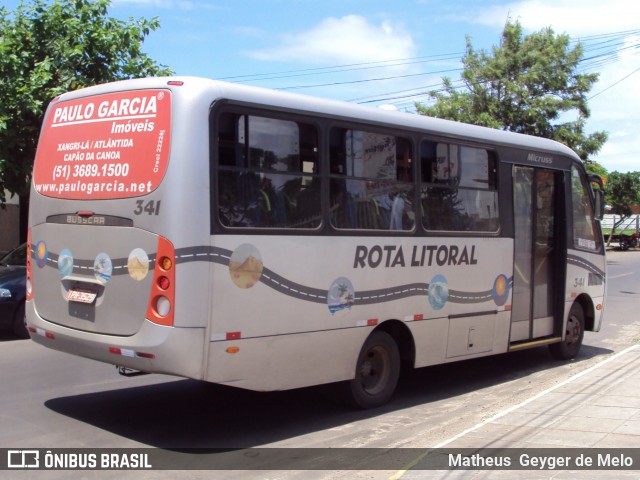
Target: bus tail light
x,y
163,306
125,352
164,283
29,265
41,332
162,298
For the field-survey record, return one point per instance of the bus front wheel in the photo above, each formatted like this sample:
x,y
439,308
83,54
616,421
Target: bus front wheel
x,y
573,335
377,372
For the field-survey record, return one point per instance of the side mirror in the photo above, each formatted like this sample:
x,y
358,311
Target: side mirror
x,y
599,194
599,207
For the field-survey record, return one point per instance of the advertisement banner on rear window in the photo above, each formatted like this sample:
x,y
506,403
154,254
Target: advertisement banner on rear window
x,y
114,145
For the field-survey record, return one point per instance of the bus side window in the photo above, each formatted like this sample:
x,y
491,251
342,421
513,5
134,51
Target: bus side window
x,y
459,188
227,154
371,185
268,172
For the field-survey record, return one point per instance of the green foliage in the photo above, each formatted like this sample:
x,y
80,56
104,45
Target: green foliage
x,y
594,168
524,85
623,192
48,48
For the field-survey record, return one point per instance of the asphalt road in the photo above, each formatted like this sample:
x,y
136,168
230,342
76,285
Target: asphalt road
x,y
54,400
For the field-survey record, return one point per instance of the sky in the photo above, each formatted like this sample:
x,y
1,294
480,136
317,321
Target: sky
x,y
392,52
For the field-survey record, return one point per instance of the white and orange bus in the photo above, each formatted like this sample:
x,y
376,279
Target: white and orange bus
x,y
269,241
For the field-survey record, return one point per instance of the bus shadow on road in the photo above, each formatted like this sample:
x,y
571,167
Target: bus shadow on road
x,y
186,414
446,381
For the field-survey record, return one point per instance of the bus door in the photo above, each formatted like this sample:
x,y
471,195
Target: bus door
x,y
537,196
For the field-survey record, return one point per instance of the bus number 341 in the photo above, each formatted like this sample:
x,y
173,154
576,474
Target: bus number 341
x,y
152,207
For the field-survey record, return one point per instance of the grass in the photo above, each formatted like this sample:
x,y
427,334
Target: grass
x,y
628,231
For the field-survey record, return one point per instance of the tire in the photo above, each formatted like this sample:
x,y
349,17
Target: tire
x,y
569,347
377,372
19,328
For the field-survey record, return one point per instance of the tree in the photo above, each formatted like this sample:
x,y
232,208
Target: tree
x,y
525,85
47,49
622,192
594,168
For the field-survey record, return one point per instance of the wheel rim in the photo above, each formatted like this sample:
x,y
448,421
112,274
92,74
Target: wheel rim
x,y
574,330
374,370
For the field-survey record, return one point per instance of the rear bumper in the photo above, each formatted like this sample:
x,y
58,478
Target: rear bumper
x,y
153,348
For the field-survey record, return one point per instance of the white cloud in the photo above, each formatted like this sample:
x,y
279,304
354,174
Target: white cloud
x,y
614,106
341,40
575,17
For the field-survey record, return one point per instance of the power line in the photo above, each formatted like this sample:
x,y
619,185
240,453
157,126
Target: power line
x,y
394,77
345,68
600,50
588,63
614,84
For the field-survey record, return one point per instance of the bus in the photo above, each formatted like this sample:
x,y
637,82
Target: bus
x,y
269,241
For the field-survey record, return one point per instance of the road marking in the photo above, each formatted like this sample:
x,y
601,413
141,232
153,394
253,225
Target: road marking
x,y
621,275
413,463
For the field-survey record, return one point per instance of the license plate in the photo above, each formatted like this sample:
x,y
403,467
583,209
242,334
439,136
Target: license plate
x,y
81,296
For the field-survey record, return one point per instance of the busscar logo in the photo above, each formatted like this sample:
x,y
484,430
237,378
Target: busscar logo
x,y
78,220
23,459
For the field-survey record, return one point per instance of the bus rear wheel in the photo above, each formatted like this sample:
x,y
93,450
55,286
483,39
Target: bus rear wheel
x,y
573,335
377,372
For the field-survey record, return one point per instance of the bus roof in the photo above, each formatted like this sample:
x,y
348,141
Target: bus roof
x,y
208,89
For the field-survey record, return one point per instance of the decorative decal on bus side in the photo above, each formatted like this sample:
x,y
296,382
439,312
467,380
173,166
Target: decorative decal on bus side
x,y
138,264
42,254
65,263
438,292
341,295
113,145
585,264
245,266
103,268
500,291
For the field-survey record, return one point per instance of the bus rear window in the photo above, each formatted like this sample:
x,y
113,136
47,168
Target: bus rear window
x,y
113,145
